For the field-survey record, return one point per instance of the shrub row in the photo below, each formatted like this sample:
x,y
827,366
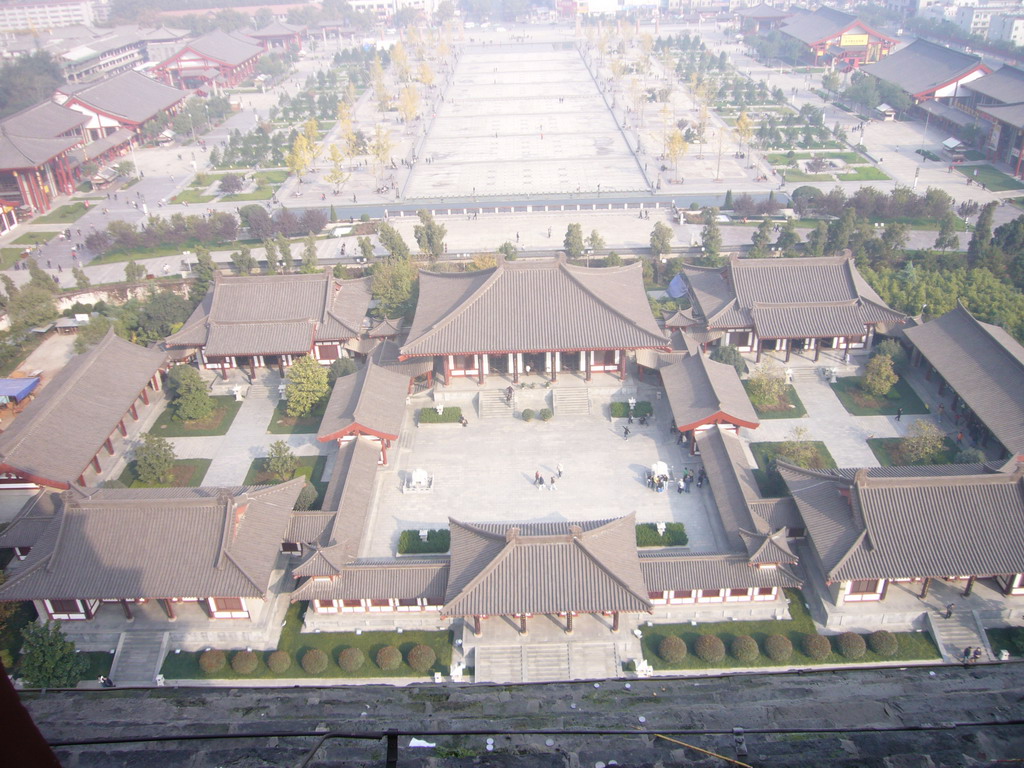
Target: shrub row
x,y
620,410
544,414
314,661
450,415
710,648
675,535
438,540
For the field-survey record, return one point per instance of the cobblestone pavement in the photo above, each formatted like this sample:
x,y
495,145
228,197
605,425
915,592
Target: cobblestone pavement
x,y
953,699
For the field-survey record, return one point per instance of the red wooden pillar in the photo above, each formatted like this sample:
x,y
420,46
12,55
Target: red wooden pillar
x,y
924,589
109,445
515,367
81,480
480,368
145,396
568,623
122,428
156,382
622,365
168,609
126,607
615,621
134,412
384,452
789,349
970,586
447,372
96,464
477,629
590,365
522,624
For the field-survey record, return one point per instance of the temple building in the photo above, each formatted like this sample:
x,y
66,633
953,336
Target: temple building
x,y
786,305
534,316
270,320
120,105
215,60
834,38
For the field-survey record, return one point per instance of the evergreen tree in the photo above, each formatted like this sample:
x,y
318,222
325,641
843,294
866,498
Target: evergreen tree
x,y
392,241
190,399
48,659
307,386
281,462
284,248
817,240
661,239
271,255
40,278
947,238
81,279
573,242
789,238
204,272
309,257
429,234
154,460
727,203
365,247
711,239
761,238
243,260
978,250
134,272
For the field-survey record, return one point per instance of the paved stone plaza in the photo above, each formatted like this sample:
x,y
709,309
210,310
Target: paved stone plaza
x,y
526,120
485,473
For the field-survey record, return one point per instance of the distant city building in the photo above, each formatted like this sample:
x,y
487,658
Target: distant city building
x,y
1008,28
51,13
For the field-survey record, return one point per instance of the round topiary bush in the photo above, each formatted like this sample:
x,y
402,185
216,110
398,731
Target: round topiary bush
x,y
778,648
389,658
744,648
212,661
279,661
709,648
884,643
672,649
527,414
314,661
545,414
351,659
816,647
851,645
245,662
421,658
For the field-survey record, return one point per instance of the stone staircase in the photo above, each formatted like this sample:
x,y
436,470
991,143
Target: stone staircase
x,y
545,662
957,632
491,405
571,401
139,657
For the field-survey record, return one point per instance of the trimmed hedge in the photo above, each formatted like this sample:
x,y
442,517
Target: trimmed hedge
x,y
245,662
620,410
389,658
450,415
817,647
212,661
421,658
351,659
279,662
439,540
672,649
314,661
709,648
851,645
884,643
528,414
545,414
778,648
675,535
744,648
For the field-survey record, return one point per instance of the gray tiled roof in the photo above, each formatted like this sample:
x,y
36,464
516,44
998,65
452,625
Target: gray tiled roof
x,y
532,305
129,96
912,527
985,366
378,581
313,528
18,152
701,391
386,354
386,327
501,569
835,319
732,484
31,521
278,29
710,289
60,431
1012,114
207,542
664,573
275,314
921,67
1006,84
762,11
370,400
823,23
229,48
44,121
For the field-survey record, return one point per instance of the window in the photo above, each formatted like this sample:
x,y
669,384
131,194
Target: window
x,y
864,586
22,552
291,548
228,604
682,594
64,606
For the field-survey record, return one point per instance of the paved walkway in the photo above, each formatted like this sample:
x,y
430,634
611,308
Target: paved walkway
x,y
827,420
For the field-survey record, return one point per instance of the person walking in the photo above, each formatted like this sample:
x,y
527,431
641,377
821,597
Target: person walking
x,y
966,656
625,433
552,487
536,477
558,468
540,483
949,611
899,414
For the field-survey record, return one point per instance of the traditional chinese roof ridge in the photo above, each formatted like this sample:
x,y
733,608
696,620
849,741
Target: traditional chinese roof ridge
x,y
369,401
275,314
824,23
31,521
1006,85
387,355
681,318
163,32
983,364
65,425
711,571
530,305
503,569
702,391
20,152
922,67
732,484
376,580
1011,114
232,49
113,543
912,527
129,96
349,493
278,29
44,121
312,528
710,289
763,11
387,327
772,548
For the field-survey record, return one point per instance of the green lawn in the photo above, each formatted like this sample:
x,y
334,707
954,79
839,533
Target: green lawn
x,y
31,238
920,223
274,177
259,194
168,249
769,481
188,473
1007,638
913,646
283,424
783,158
218,424
63,215
993,179
192,196
860,403
185,666
8,256
794,175
863,173
789,407
310,467
886,450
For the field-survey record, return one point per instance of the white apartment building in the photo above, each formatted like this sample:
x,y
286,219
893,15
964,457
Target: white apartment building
x,y
1009,28
52,13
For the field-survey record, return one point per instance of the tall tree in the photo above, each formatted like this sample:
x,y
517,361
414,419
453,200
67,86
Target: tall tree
x,y
573,241
981,241
393,241
788,238
661,239
760,239
309,258
393,285
154,460
284,248
281,461
48,658
307,385
711,239
429,234
190,399
270,249
947,237
338,175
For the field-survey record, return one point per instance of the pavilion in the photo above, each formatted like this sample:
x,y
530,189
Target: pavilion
x,y
270,320
532,316
786,305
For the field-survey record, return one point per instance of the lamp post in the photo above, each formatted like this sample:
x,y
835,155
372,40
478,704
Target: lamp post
x,y
191,126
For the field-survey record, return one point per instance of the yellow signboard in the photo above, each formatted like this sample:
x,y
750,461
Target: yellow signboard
x,y
853,41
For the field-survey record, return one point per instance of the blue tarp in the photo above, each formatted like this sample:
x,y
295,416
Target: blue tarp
x,y
17,389
678,288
